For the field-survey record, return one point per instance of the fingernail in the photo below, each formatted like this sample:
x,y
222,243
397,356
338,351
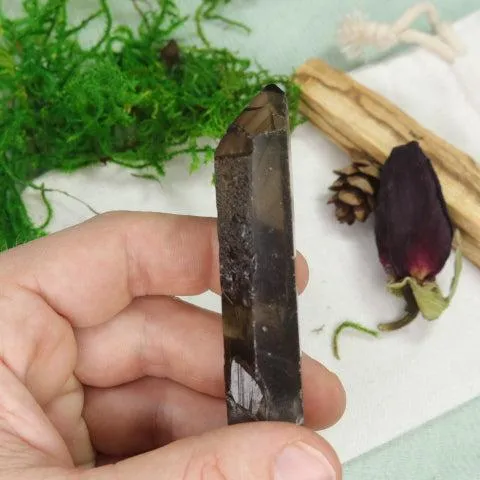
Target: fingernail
x,y
299,461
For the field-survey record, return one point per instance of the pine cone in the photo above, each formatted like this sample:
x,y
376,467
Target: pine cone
x,y
355,190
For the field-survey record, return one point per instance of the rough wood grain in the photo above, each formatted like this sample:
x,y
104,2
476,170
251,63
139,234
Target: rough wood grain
x,y
366,125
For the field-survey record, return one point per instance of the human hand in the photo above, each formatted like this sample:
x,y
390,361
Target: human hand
x,y
105,375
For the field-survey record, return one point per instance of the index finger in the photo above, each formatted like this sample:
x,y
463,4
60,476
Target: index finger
x,y
90,272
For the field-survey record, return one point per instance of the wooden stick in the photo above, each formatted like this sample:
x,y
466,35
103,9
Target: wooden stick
x,y
366,125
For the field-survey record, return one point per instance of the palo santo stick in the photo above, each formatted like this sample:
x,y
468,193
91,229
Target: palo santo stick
x,y
364,124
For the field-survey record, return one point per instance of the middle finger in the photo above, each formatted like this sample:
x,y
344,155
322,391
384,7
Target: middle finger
x,y
154,336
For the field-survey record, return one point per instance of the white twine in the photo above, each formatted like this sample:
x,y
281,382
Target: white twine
x,y
357,32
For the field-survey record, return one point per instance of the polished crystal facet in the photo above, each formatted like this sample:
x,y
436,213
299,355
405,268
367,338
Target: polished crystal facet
x,y
257,270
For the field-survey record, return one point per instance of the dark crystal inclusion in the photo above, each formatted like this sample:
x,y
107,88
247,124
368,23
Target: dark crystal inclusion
x,y
257,264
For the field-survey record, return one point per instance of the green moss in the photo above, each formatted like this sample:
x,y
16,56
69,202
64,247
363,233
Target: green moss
x,y
65,106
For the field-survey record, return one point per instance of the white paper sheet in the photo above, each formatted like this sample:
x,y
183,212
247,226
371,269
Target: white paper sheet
x,y
407,377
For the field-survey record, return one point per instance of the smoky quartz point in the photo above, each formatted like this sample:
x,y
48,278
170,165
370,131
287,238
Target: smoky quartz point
x,y
257,264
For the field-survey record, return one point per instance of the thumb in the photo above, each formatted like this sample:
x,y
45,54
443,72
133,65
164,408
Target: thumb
x,y
256,451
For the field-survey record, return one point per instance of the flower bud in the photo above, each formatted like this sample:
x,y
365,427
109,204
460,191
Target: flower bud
x,y
413,230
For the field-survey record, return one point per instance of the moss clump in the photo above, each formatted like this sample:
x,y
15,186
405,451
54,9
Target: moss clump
x,y
65,106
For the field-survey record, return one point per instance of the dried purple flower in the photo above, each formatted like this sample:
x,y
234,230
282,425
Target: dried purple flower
x,y
414,236
412,227
414,233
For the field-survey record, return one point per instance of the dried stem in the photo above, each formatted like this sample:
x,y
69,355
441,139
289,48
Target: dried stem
x,y
354,326
411,313
403,321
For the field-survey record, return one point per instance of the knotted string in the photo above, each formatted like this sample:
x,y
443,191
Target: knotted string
x,y
356,33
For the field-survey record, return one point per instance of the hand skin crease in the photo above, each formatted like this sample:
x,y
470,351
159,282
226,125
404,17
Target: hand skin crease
x,y
212,472
204,466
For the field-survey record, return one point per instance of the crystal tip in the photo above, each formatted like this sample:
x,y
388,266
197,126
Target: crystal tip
x,y
274,88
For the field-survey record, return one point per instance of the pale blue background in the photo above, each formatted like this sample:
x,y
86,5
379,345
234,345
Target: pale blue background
x,y
284,34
